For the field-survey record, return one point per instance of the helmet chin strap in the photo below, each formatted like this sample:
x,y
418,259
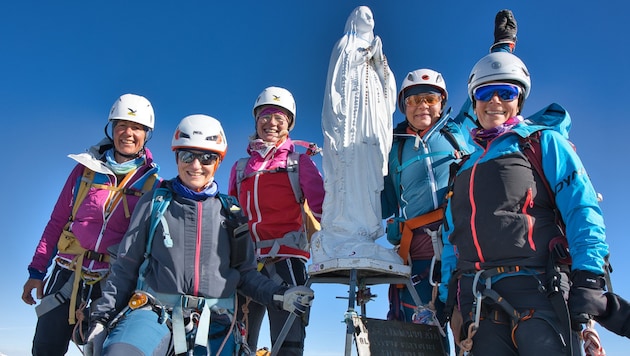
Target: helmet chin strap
x,y
129,156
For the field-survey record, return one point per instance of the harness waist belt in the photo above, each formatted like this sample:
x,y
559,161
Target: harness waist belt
x,y
54,300
414,223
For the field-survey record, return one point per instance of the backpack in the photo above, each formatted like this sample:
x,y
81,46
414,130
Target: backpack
x,y
311,225
235,223
69,244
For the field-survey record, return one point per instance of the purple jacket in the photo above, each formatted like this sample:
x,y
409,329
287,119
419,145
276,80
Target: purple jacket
x,y
102,218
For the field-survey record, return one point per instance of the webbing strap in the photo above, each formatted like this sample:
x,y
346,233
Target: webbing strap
x,y
295,239
180,302
78,263
414,223
84,186
204,326
500,301
179,331
423,156
54,300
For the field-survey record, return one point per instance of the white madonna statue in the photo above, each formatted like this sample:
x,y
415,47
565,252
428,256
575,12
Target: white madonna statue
x,y
357,116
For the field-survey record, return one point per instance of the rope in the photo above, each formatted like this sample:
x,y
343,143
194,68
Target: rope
x,y
81,318
245,310
592,343
231,330
467,344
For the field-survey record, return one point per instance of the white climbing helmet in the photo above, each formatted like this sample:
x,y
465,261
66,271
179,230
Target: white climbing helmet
x,y
200,132
499,67
421,77
132,107
279,97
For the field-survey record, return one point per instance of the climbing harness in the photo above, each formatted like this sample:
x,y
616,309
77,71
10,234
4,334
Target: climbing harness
x,y
186,313
69,244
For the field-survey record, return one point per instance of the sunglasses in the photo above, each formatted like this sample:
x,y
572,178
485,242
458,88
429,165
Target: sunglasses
x,y
506,92
430,99
204,158
280,119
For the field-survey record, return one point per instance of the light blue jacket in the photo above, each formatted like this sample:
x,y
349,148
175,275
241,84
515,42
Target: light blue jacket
x,y
575,198
419,169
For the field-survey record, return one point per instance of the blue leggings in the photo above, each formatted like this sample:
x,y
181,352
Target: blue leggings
x,y
140,333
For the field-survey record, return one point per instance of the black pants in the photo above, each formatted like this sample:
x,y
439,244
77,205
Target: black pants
x,y
53,331
537,333
293,272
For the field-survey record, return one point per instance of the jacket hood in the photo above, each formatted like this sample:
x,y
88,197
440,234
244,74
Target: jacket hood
x,y
553,116
287,146
93,157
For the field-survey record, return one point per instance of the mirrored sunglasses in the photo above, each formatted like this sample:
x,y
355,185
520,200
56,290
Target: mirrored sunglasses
x,y
430,99
506,92
205,158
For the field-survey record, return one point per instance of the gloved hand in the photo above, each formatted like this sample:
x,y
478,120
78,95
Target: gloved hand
x,y
96,338
296,300
618,318
586,297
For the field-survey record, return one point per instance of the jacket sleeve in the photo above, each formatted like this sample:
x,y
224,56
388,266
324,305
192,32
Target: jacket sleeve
x,y
389,200
232,188
254,284
449,255
312,185
576,200
47,246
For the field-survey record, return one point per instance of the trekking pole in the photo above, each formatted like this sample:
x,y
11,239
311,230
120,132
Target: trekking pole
x,y
283,334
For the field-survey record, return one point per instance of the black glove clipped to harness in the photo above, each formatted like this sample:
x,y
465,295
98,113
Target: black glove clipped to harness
x,y
617,319
586,297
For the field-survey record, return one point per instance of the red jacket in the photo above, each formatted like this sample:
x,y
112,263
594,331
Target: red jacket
x,y
268,199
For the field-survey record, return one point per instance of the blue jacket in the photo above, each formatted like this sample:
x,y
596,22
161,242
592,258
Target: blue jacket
x,y
419,169
512,226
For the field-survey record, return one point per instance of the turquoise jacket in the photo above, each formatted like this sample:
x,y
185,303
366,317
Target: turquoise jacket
x,y
487,227
419,169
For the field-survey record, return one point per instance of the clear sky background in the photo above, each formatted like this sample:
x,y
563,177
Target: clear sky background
x,y
64,63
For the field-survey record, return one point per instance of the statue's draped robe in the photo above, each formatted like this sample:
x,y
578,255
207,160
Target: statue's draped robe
x,y
357,119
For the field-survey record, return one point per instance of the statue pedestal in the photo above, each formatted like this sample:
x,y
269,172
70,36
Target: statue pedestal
x,y
342,266
334,251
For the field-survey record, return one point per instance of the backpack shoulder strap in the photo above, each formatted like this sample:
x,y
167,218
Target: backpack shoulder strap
x,y
240,173
81,190
149,183
293,169
161,199
238,229
530,146
448,132
229,205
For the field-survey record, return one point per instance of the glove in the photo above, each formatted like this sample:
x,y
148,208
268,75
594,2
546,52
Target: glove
x,y
96,338
586,297
618,318
295,300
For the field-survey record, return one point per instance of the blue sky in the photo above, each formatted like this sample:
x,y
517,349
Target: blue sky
x,y
64,64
